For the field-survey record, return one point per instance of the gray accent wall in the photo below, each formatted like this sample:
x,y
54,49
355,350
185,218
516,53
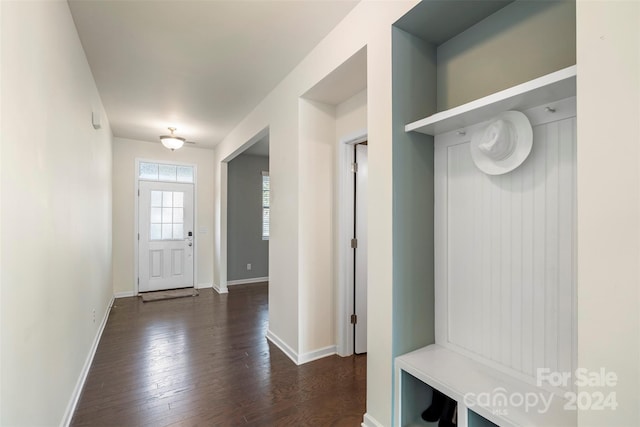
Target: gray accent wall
x,y
244,219
414,97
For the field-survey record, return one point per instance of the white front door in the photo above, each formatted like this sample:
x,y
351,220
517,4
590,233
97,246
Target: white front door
x,y
360,293
165,244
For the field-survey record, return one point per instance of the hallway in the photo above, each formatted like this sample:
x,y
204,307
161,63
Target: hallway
x,y
205,361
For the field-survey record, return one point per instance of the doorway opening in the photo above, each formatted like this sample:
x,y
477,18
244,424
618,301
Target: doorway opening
x,y
360,242
248,219
257,146
351,298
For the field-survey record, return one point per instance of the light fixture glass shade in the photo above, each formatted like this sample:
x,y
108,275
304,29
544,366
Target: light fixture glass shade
x,y
172,142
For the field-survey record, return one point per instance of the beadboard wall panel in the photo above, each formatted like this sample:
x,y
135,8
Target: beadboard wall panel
x,y
505,249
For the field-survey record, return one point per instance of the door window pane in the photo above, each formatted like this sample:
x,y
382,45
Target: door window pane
x,y
185,173
167,221
177,216
178,231
148,171
156,216
167,217
156,232
156,199
167,232
167,199
178,199
168,173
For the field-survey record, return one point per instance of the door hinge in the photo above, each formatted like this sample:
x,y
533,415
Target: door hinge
x,y
138,280
354,319
354,243
354,167
138,236
138,192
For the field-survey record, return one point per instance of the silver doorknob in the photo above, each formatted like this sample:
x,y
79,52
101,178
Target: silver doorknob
x,y
190,244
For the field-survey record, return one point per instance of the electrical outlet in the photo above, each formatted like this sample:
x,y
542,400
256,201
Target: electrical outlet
x,y
248,266
94,315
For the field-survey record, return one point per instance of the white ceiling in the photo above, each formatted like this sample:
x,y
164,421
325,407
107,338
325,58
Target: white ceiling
x,y
200,66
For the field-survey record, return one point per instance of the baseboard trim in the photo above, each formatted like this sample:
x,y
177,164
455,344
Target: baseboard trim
x,y
291,354
302,358
369,421
75,397
316,354
220,290
124,294
247,281
204,285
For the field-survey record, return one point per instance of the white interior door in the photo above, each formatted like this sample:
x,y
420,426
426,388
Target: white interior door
x,y
360,294
165,244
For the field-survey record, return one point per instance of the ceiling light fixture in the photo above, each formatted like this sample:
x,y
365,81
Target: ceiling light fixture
x,y
172,142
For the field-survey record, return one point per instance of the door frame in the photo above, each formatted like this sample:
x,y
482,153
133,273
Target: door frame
x,y
136,202
344,254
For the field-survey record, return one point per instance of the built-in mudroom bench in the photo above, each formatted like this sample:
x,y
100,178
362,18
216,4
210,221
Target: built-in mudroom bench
x,y
485,396
484,148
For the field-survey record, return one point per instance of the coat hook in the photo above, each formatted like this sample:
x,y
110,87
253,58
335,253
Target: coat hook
x,y
550,109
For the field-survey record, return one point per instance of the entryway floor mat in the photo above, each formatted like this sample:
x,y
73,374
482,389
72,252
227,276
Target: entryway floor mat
x,y
170,294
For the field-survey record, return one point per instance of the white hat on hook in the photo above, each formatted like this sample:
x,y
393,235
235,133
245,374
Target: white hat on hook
x,y
503,144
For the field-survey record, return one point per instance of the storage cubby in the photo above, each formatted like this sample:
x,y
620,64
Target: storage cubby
x,y
482,47
456,65
475,420
419,397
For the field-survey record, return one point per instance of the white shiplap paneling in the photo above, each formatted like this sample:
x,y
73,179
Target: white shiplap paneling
x,y
505,249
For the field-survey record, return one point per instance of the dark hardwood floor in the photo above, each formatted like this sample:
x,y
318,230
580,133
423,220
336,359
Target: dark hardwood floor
x,y
205,361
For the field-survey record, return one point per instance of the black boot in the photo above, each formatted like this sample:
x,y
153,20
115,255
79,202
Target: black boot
x,y
433,412
449,416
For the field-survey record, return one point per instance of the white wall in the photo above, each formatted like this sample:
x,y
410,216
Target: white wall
x,y
316,288
351,115
608,48
125,152
56,213
321,125
369,24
